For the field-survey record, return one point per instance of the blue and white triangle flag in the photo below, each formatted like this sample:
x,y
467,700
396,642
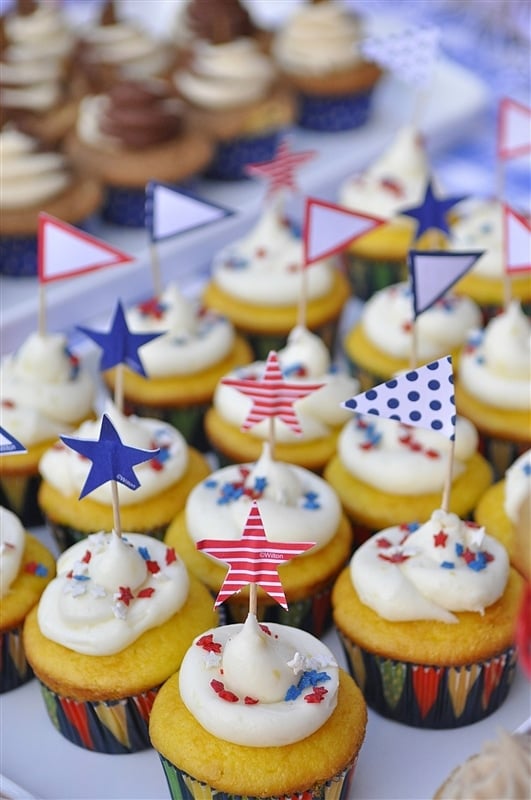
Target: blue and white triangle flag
x,y
410,53
9,445
434,272
171,211
422,397
329,228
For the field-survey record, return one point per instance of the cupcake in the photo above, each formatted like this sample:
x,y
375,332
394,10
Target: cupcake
x,y
107,632
395,181
389,473
26,567
493,386
318,51
381,342
230,86
166,481
184,365
499,507
479,226
256,282
295,505
134,133
35,60
427,617
304,361
258,711
34,180
45,391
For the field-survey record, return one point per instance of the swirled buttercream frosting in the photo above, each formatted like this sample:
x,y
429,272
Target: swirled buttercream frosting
x,y
295,503
387,321
12,543
259,685
67,471
495,365
29,176
306,359
400,459
194,338
45,390
517,486
479,227
264,268
430,571
109,590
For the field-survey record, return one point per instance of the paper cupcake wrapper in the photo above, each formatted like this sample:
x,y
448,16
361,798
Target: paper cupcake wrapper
x,y
184,787
19,494
126,206
65,536
188,420
113,727
500,453
332,114
369,276
233,156
14,669
426,696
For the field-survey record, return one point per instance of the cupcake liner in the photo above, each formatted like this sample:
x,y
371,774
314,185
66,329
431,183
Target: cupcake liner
x,y
183,786
187,420
18,493
65,536
113,727
500,453
334,113
367,277
425,696
124,205
233,156
14,669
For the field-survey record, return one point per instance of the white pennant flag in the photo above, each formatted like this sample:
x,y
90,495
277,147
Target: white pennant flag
x,y
329,228
170,212
433,273
514,129
410,53
517,242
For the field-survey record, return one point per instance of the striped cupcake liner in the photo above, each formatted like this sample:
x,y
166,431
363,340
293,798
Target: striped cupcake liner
x,y
233,156
14,669
369,276
183,786
113,727
331,114
426,696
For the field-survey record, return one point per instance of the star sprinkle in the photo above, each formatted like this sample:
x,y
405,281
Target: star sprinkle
x,y
280,172
432,212
272,396
253,559
111,459
119,345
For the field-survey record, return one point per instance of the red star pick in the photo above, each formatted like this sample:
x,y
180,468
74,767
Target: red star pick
x,y
272,396
280,172
253,559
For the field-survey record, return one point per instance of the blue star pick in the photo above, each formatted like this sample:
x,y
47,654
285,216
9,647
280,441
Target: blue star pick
x,y
111,460
119,345
432,211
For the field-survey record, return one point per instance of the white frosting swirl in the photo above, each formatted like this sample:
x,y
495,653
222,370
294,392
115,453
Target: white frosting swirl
x,y
396,180
517,486
264,268
430,571
128,47
195,339
44,389
12,543
295,503
109,590
67,471
387,321
305,359
226,75
319,38
257,685
480,227
386,455
28,177
495,366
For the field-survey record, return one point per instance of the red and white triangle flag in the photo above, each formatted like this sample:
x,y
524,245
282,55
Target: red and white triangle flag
x,y
64,251
329,228
517,242
514,129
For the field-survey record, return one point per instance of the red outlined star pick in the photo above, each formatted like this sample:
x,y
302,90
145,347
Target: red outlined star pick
x,y
253,559
280,172
272,396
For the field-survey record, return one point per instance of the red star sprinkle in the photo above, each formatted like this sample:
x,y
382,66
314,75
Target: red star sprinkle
x,y
440,539
396,558
125,595
148,592
225,694
171,556
383,542
86,558
152,566
468,555
207,643
317,696
250,701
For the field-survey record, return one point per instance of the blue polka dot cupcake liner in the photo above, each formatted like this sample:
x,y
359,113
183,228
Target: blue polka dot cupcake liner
x,y
233,156
126,206
431,696
369,276
332,114
14,668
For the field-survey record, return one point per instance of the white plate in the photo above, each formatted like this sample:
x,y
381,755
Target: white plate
x,y
11,791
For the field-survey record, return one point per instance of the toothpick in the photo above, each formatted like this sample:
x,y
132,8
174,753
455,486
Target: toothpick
x,y
119,387
155,270
271,436
42,310
117,525
253,601
445,503
303,298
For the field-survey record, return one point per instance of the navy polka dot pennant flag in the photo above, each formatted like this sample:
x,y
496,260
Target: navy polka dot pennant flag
x,y
422,397
433,273
410,54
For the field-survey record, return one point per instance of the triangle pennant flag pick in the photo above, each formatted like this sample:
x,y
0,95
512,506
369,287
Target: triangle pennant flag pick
x,y
422,397
517,242
514,129
64,251
329,228
434,272
410,54
9,445
171,212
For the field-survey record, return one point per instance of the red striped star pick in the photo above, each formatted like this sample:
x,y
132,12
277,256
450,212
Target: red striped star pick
x,y
253,559
280,172
272,396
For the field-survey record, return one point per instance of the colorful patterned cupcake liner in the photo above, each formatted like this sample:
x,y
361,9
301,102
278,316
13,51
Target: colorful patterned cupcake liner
x,y
369,276
233,156
18,493
184,787
14,669
334,113
188,420
65,536
425,696
113,727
